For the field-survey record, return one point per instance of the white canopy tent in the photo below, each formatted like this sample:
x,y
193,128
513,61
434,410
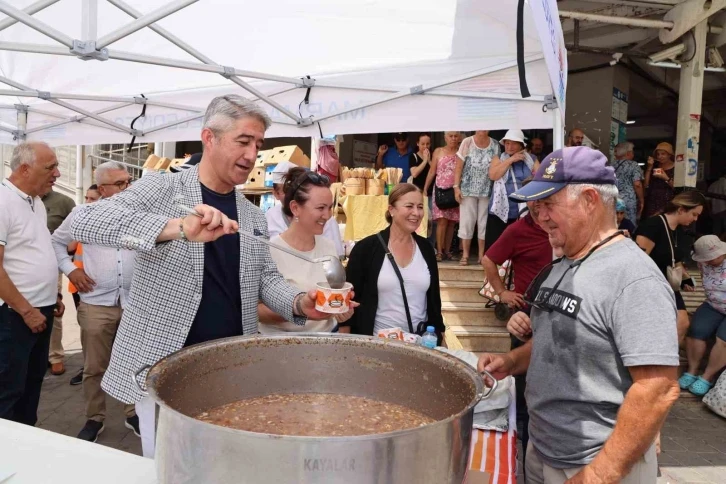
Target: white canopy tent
x,y
80,71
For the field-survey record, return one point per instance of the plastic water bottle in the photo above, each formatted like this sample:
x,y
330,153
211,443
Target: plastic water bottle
x,y
429,338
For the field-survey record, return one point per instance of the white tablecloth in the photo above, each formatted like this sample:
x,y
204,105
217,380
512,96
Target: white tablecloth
x,y
35,456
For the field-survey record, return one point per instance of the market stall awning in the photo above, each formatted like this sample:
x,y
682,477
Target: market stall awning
x,y
373,66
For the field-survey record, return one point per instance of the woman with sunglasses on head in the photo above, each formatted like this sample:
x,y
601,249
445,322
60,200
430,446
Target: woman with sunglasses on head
x,y
661,237
378,286
308,202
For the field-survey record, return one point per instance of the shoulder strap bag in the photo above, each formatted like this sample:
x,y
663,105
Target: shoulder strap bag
x,y
421,328
674,274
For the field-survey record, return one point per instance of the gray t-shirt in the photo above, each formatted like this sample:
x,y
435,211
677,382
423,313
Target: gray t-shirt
x,y
613,311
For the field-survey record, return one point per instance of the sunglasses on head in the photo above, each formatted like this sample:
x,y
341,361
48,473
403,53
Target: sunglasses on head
x,y
530,295
314,178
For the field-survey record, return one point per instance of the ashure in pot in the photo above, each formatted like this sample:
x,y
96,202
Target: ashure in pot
x,y
208,375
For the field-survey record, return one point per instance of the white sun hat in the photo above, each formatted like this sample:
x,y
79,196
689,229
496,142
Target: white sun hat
x,y
708,247
514,135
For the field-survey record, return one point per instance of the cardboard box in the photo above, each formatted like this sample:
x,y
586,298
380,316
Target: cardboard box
x,y
177,162
163,164
151,162
293,154
262,158
256,178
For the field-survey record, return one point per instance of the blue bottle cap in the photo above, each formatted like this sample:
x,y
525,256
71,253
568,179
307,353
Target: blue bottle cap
x,y
430,329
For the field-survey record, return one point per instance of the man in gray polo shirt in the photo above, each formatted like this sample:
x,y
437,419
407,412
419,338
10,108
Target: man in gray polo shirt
x,y
602,362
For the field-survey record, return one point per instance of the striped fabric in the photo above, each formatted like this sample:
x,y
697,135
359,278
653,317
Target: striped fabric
x,y
493,455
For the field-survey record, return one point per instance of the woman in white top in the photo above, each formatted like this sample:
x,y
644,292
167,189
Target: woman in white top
x,y
378,288
308,202
278,222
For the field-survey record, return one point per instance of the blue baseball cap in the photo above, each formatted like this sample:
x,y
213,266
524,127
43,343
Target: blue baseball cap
x,y
568,166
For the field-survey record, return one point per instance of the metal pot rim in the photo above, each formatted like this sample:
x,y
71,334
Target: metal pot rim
x,y
476,378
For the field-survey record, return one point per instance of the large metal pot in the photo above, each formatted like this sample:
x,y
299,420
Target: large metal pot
x,y
200,377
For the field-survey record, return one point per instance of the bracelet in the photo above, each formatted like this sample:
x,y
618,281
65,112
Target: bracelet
x,y
182,235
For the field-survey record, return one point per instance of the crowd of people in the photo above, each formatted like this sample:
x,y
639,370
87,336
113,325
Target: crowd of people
x,y
595,362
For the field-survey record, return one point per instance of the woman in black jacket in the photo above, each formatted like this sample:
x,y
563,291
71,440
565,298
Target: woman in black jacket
x,y
378,288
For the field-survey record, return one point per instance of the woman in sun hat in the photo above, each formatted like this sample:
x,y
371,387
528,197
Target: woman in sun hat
x,y
659,172
709,319
507,171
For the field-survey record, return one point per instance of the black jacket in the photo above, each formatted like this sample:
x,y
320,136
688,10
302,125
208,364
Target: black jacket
x,y
364,266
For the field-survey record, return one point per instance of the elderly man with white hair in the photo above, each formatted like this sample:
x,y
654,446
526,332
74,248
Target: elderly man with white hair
x,y
196,279
603,358
28,281
103,284
629,180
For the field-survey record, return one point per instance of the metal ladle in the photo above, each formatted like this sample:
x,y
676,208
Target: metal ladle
x,y
334,270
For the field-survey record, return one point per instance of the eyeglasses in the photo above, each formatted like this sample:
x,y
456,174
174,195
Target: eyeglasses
x,y
312,177
119,184
540,301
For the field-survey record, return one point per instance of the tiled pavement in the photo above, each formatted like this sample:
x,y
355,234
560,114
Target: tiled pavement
x,y
693,439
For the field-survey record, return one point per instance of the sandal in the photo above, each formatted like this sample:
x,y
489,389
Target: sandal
x,y
700,387
439,257
464,262
686,380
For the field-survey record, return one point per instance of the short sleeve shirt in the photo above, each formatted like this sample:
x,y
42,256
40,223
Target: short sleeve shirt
x,y
475,181
394,159
627,172
29,258
654,229
714,284
58,207
611,312
527,246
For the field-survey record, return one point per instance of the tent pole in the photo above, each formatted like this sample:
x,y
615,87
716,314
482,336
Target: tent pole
x,y
30,10
34,48
75,119
173,123
79,173
35,24
22,123
100,119
142,22
558,131
89,20
422,89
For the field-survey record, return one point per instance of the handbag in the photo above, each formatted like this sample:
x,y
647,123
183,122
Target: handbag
x,y
674,274
421,327
445,198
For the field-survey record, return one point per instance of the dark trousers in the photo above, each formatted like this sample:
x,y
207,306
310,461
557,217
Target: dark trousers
x,y
23,362
522,411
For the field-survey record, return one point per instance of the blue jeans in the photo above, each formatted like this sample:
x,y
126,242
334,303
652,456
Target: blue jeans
x,y
23,362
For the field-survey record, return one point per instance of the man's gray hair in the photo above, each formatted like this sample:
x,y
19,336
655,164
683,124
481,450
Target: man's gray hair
x,y
104,168
24,154
225,110
608,193
622,149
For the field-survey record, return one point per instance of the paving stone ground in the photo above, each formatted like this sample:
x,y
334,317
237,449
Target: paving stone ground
x,y
693,438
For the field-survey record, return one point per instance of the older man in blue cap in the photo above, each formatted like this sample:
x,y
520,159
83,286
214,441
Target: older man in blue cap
x,y
602,362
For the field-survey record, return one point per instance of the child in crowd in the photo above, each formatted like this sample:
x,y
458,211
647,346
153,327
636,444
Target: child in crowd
x,y
623,223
